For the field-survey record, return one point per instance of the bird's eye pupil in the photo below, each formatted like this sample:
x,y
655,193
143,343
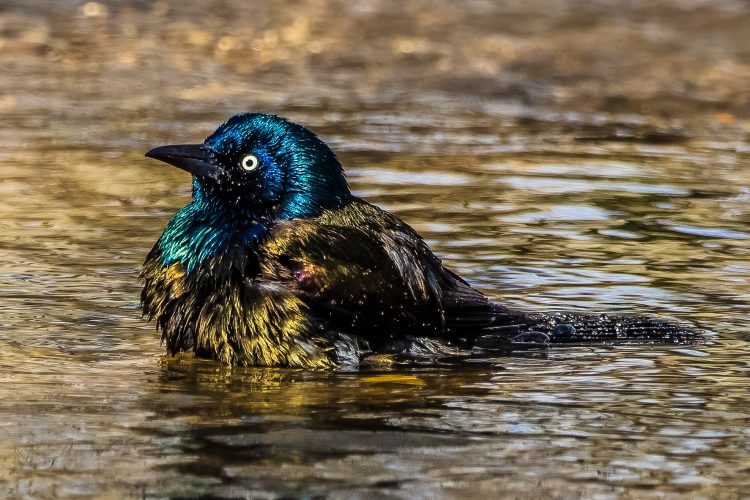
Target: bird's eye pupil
x,y
250,162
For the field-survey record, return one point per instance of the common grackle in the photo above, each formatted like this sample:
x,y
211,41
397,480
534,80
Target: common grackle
x,y
275,263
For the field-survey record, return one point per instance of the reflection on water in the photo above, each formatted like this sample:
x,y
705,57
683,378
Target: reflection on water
x,y
579,156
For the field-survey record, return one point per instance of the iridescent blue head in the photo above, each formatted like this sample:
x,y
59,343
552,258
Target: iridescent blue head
x,y
252,170
263,164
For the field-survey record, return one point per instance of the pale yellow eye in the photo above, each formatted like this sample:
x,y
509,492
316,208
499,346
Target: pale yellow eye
x,y
250,162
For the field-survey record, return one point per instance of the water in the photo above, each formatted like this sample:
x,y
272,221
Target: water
x,y
586,156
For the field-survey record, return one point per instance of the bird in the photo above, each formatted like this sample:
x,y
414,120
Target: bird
x,y
275,262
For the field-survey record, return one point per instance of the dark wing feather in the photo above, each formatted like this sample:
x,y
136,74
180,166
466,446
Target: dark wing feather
x,y
359,268
365,270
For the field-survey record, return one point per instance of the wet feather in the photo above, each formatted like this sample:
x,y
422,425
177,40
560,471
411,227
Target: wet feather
x,y
280,265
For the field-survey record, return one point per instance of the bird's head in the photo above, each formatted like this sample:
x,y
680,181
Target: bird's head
x,y
263,164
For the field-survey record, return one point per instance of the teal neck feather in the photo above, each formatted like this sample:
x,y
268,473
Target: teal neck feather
x,y
205,227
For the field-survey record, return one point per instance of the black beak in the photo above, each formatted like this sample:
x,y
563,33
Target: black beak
x,y
191,158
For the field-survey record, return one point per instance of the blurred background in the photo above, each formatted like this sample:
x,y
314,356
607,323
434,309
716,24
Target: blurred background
x,y
669,69
589,155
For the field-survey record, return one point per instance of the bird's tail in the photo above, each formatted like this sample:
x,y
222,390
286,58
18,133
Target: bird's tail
x,y
582,328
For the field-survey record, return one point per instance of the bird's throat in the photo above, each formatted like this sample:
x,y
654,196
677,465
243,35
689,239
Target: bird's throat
x,y
206,228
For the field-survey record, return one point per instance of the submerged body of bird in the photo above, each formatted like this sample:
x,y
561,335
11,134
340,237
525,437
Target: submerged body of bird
x,y
275,263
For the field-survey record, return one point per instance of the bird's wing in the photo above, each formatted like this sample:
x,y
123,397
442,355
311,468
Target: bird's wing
x,y
363,269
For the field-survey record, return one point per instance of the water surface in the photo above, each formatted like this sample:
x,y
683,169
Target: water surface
x,y
590,156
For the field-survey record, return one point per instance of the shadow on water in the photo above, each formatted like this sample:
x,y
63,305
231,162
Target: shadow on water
x,y
573,156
